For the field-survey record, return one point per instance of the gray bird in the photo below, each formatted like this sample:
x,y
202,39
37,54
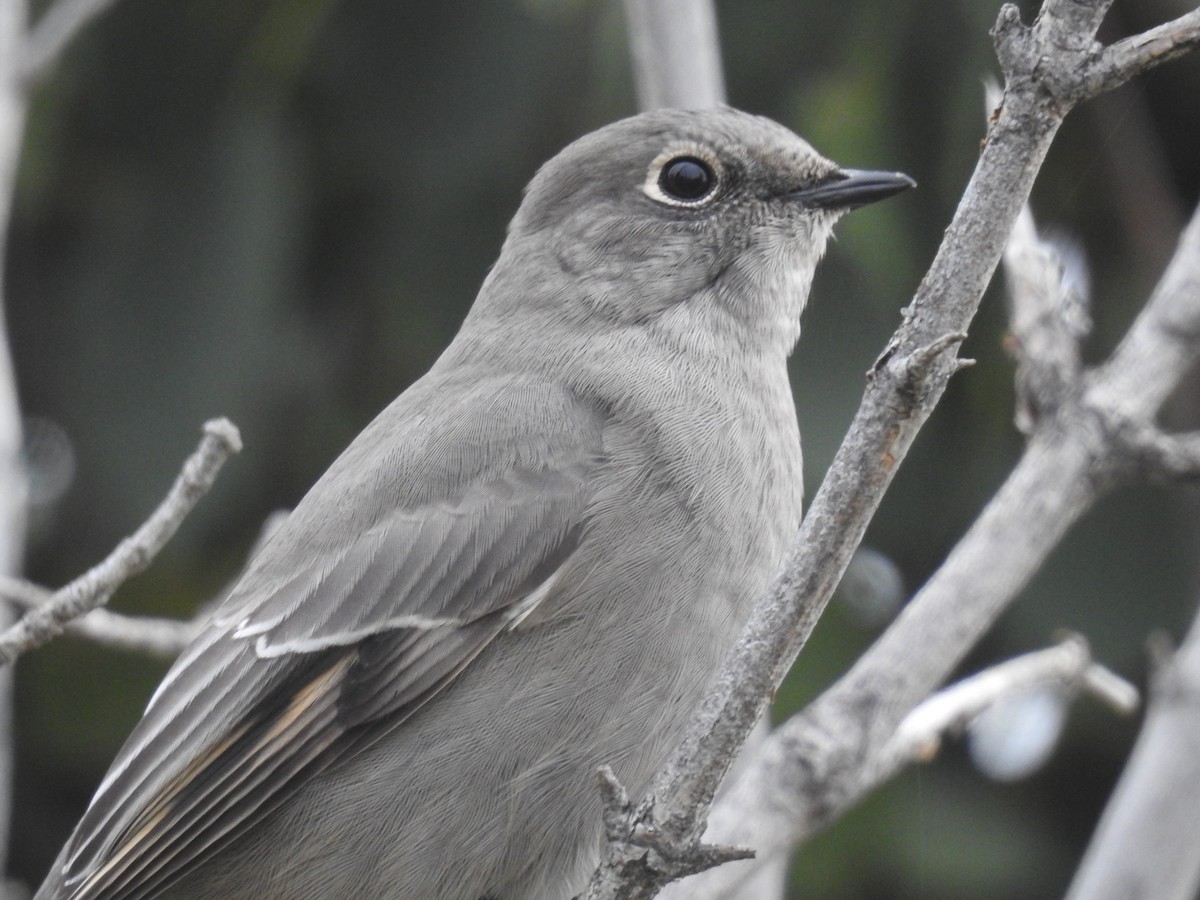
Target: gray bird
x,y
529,565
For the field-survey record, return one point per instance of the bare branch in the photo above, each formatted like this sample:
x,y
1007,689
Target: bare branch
x,y
1161,343
58,26
1145,847
1140,53
1094,69
1069,462
163,638
1068,665
132,555
676,55
760,809
154,636
645,853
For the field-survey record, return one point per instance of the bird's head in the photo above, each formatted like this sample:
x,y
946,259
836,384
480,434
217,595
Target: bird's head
x,y
674,207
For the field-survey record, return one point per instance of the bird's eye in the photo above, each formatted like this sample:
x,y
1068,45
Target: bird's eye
x,y
687,178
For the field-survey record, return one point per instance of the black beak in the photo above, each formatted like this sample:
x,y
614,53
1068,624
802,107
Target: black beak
x,y
850,189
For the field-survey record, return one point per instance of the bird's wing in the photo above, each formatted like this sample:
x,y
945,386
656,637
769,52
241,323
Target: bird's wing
x,y
330,640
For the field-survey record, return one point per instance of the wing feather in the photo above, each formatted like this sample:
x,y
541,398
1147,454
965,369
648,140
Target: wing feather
x,y
209,802
338,633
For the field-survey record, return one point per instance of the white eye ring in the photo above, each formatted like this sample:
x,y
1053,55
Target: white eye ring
x,y
698,154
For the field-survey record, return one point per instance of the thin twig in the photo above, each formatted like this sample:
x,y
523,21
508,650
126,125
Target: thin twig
x,y
1140,53
1067,664
760,805
92,589
163,638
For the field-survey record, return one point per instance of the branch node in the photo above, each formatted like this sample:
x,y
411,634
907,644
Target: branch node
x,y
1010,36
649,856
920,361
617,809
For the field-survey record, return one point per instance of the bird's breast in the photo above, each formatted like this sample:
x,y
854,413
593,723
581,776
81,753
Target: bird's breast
x,y
714,476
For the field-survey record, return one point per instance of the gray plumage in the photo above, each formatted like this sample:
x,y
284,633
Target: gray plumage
x,y
530,564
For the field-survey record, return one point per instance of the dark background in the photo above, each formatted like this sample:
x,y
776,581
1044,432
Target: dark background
x,y
280,211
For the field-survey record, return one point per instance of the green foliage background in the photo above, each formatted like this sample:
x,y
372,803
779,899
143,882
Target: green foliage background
x,y
280,211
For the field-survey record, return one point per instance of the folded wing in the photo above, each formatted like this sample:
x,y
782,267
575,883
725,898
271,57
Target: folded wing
x,y
334,637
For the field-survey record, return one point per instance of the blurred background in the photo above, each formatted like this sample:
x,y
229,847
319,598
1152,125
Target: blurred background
x,y
280,211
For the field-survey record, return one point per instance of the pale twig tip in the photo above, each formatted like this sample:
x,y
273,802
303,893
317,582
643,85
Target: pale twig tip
x,y
225,431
